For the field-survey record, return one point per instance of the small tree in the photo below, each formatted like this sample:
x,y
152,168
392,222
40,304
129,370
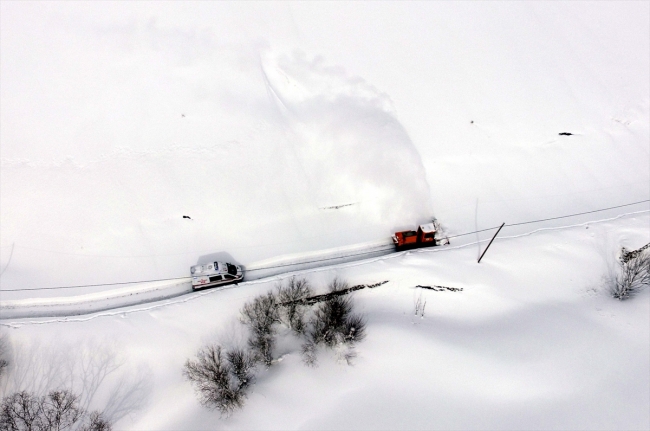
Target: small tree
x,y
96,422
58,411
260,316
292,307
334,325
221,380
20,411
633,275
242,366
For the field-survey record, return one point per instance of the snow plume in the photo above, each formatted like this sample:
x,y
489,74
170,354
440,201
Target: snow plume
x,y
348,142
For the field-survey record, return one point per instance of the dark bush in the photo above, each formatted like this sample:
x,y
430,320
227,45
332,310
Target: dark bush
x,y
334,325
242,366
292,306
61,410
96,422
337,285
260,316
21,411
633,275
221,380
58,411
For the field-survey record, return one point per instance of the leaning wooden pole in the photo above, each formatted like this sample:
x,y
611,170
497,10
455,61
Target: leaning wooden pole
x,y
488,246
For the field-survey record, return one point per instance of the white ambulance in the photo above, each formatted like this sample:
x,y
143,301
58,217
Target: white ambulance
x,y
215,274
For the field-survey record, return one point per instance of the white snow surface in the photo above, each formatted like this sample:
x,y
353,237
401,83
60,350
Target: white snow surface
x,y
297,136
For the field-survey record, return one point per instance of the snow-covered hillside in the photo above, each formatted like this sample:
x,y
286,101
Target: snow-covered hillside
x,y
296,131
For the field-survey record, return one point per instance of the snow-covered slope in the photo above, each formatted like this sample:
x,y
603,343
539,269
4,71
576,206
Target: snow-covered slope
x,y
293,130
531,342
118,121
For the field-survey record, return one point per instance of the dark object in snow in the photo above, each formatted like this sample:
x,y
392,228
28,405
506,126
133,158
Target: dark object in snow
x,y
633,274
490,243
293,313
626,255
221,378
334,325
183,115
471,122
187,217
261,315
442,288
565,134
335,207
326,296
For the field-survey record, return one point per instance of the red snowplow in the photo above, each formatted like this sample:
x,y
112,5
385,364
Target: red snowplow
x,y
425,236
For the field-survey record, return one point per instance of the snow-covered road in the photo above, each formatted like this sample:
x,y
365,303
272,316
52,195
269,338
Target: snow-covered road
x,y
149,292
156,291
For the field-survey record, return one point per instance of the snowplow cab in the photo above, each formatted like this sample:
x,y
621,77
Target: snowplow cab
x,y
215,274
427,234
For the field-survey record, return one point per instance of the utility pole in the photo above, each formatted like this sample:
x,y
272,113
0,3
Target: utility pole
x,y
488,246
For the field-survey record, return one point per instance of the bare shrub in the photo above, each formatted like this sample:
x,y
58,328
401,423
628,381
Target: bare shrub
x,y
58,411
334,322
337,285
309,353
20,411
292,307
335,326
420,305
354,329
4,353
96,422
242,366
221,379
89,368
261,315
633,275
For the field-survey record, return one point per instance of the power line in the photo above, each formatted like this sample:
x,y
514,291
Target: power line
x,y
330,258
93,285
577,214
470,233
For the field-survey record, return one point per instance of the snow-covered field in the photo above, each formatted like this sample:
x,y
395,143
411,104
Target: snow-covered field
x,y
292,132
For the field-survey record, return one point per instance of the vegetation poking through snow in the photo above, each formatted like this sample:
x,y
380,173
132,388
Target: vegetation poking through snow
x,y
59,379
222,378
292,303
633,273
338,292
4,353
441,288
420,305
261,316
58,410
334,325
